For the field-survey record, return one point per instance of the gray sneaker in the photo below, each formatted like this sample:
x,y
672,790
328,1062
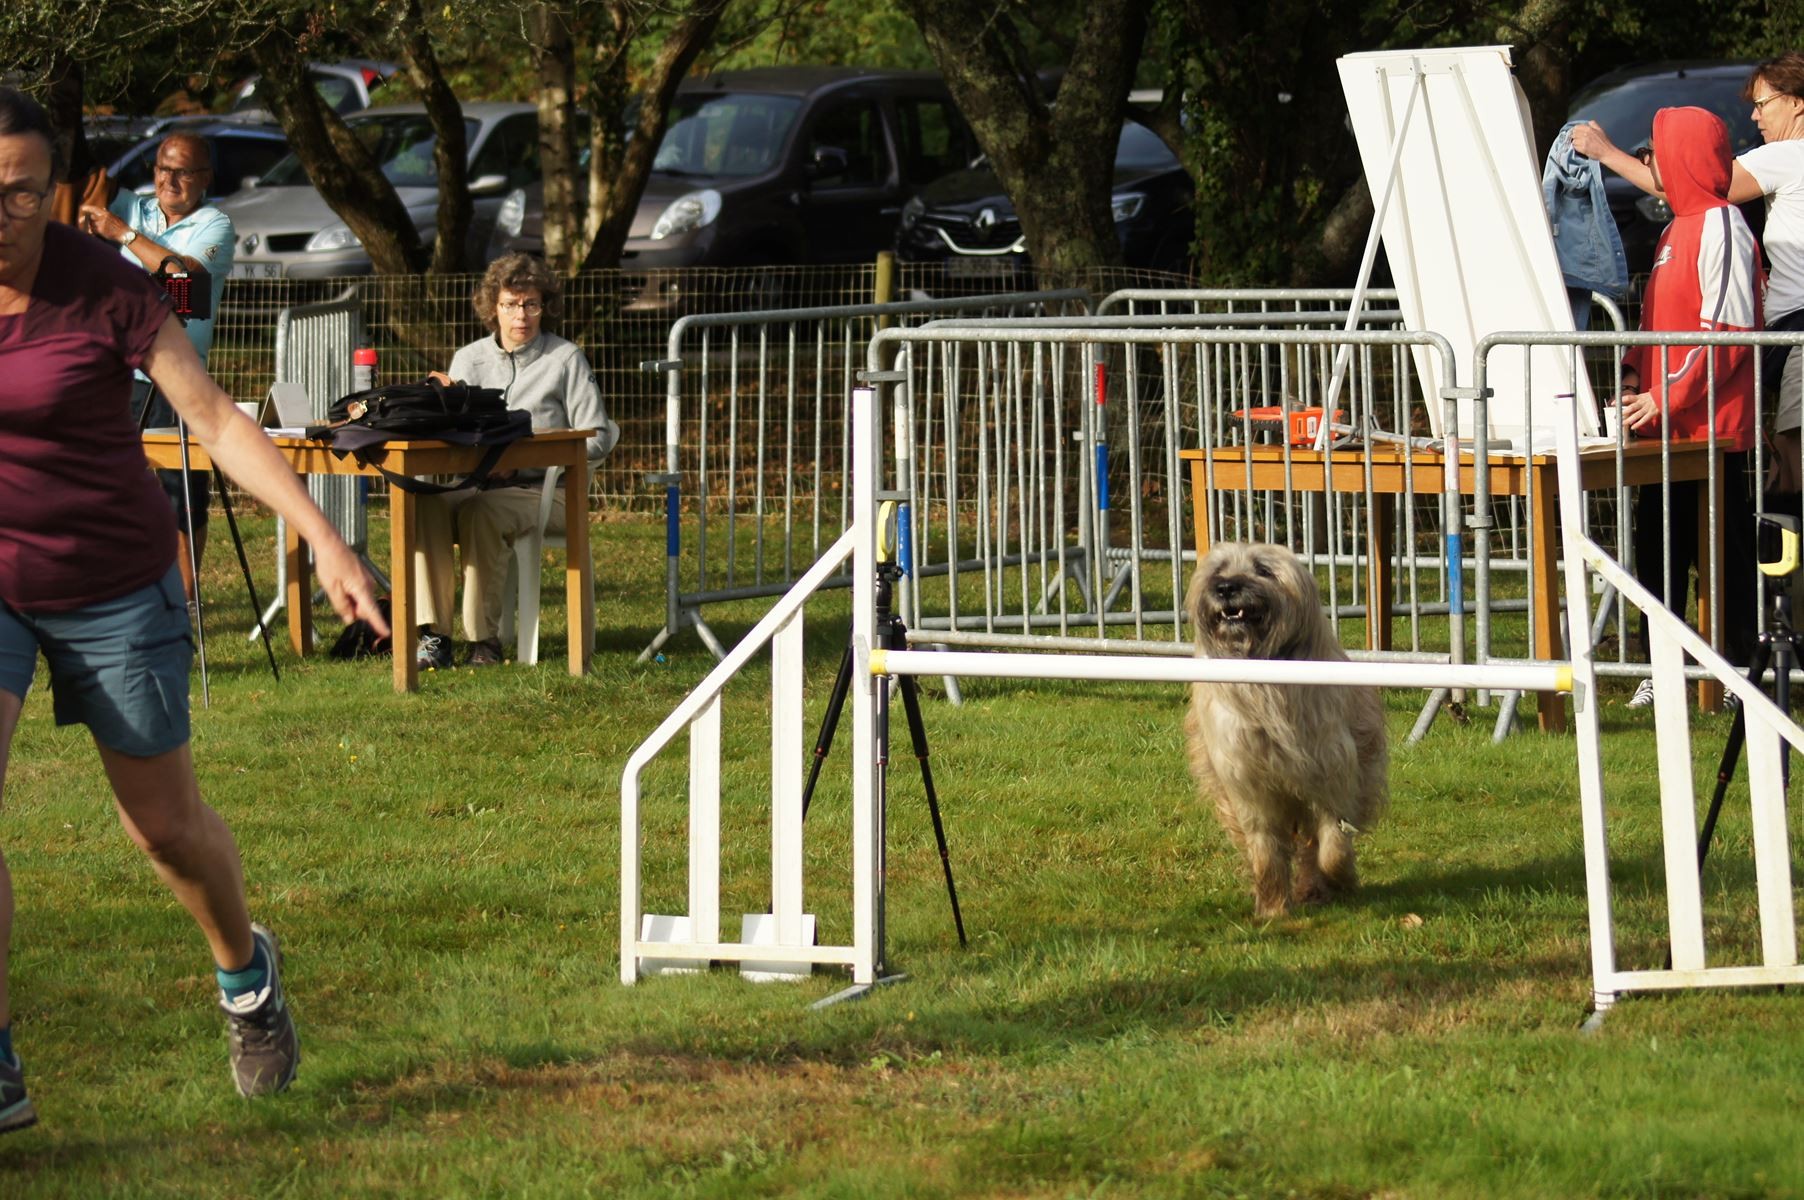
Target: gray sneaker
x,y
15,1106
434,651
265,1051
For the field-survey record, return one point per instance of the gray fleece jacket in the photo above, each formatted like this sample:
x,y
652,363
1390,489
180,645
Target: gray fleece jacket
x,y
548,377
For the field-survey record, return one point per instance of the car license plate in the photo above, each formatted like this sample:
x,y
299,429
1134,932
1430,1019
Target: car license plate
x,y
256,270
969,267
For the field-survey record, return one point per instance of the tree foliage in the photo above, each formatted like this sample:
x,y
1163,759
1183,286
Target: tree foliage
x,y
1280,194
1251,97
1053,153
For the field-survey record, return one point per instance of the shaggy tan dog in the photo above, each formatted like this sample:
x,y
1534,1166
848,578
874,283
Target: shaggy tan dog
x,y
1295,770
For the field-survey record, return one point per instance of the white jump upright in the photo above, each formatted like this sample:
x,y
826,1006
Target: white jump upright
x,y
1671,640
778,944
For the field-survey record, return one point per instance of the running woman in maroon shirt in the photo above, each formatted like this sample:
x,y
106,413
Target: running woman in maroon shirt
x,y
87,574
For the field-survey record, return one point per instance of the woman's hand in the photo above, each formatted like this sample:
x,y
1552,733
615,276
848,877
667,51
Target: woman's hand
x,y
1591,141
1640,411
347,585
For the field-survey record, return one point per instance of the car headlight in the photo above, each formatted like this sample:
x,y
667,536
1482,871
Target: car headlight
x,y
1127,207
1654,209
687,212
911,212
333,237
512,213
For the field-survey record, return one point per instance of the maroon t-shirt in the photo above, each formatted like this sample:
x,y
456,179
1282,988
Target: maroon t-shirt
x,y
81,517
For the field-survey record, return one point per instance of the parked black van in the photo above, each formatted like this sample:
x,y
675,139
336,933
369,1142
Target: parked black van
x,y
780,166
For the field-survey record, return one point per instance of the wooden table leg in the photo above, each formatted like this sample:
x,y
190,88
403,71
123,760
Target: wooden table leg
x,y
401,534
579,581
1199,507
1378,572
1545,602
298,568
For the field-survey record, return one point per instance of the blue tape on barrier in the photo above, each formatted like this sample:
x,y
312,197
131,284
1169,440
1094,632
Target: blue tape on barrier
x,y
1102,476
1456,586
672,536
904,551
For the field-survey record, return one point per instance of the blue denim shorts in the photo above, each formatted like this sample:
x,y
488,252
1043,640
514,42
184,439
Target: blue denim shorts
x,y
119,667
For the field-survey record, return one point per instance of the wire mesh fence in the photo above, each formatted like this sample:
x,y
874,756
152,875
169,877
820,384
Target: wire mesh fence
x,y
620,318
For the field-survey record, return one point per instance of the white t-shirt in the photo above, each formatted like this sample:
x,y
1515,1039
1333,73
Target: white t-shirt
x,y
1779,169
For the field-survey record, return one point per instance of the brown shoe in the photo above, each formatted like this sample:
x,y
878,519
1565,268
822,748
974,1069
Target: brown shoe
x,y
485,654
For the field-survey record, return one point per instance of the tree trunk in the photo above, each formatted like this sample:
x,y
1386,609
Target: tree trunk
x,y
618,167
337,163
554,60
450,152
1055,161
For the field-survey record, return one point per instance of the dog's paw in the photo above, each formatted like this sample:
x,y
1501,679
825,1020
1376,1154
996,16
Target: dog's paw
x,y
1310,892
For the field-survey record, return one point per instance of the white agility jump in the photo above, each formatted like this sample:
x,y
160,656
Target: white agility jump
x,y
783,937
780,943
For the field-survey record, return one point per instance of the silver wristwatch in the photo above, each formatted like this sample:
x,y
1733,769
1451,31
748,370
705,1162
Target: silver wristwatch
x,y
131,235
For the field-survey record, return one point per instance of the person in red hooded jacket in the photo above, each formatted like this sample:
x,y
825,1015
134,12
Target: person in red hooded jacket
x,y
1706,276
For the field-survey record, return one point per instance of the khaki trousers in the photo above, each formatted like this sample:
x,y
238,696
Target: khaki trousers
x,y
485,526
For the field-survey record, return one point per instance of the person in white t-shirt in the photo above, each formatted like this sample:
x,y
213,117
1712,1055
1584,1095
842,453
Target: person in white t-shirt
x,y
1774,170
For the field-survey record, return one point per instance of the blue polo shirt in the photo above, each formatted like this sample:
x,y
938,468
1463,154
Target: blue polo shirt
x,y
205,235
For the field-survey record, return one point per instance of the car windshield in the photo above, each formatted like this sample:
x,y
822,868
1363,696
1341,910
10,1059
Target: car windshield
x,y
402,143
1626,111
1140,149
735,134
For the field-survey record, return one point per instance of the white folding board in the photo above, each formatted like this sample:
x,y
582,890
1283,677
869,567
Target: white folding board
x,y
1465,230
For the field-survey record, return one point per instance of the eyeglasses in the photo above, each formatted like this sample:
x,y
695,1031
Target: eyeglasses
x,y
183,174
531,308
22,203
1766,100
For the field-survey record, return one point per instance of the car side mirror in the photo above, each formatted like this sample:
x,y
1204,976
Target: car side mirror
x,y
829,162
488,185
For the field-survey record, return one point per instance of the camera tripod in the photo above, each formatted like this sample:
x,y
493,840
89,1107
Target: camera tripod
x,y
1778,648
891,634
151,396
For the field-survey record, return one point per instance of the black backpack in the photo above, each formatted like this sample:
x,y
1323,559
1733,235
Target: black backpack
x,y
449,412
360,640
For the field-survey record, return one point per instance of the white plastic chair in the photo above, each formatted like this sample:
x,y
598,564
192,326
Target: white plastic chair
x,y
521,592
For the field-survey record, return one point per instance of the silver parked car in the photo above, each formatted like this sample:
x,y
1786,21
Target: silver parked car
x,y
285,228
346,85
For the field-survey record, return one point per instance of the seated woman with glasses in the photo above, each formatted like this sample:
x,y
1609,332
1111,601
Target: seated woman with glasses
x,y
539,373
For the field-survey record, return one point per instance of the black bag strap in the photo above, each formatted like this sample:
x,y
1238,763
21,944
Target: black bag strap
x,y
478,475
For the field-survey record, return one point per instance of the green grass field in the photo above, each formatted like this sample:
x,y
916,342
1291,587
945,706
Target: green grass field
x,y
443,871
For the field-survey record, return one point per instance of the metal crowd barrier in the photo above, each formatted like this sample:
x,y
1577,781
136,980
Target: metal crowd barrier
x,y
314,343
755,425
1065,428
1008,554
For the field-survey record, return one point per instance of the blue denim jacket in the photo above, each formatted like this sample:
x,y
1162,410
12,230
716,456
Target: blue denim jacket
x,y
1584,232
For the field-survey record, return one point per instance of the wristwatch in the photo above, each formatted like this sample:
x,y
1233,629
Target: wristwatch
x,y
131,235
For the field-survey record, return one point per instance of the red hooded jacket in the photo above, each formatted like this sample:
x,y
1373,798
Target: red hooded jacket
x,y
1706,276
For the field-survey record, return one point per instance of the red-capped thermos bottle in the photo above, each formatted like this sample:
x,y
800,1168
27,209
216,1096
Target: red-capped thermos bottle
x,y
363,368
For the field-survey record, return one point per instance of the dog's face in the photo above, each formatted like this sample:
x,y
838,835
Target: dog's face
x,y
1253,600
